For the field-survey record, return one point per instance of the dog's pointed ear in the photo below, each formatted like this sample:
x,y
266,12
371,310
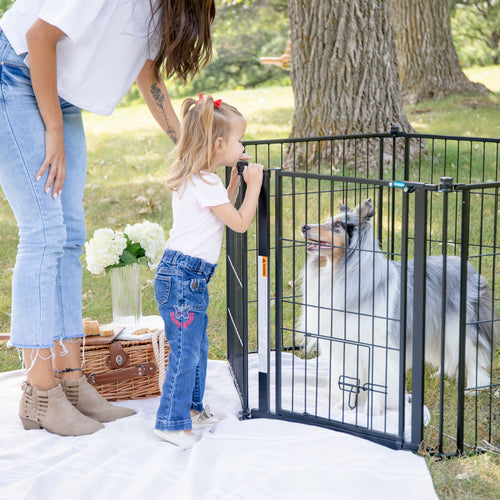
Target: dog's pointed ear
x,y
344,208
366,211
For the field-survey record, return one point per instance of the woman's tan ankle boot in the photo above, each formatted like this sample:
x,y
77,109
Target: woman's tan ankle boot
x,y
89,402
52,411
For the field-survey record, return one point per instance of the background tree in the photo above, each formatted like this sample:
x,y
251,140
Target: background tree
x,y
343,70
427,60
476,31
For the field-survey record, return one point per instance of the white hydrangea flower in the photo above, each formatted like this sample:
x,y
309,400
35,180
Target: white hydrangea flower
x,y
104,249
151,237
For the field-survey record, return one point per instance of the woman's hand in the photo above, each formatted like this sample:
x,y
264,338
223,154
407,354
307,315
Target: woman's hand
x,y
55,161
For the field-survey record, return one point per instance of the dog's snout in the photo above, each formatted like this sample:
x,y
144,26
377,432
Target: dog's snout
x,y
305,228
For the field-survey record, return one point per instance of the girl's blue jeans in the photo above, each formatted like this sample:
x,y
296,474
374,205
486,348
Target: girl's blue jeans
x,y
182,297
47,277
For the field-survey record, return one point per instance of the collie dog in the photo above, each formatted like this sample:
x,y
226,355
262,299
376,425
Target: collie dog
x,y
351,311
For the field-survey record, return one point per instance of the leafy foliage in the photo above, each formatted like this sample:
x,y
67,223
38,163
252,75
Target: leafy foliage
x,y
133,254
242,32
4,5
476,31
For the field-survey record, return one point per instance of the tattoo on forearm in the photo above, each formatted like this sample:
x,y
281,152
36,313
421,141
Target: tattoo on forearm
x,y
158,98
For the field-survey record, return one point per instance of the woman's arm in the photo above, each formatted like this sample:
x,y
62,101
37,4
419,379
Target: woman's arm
x,y
156,97
42,39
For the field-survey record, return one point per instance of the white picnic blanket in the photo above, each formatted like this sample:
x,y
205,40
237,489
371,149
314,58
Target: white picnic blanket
x,y
252,459
306,387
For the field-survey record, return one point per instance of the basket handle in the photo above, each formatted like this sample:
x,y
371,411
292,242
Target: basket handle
x,y
142,370
158,341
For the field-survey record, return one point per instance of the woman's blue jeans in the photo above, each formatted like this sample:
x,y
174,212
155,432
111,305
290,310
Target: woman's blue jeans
x,y
46,283
182,297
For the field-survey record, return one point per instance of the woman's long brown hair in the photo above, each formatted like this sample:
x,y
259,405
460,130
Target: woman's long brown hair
x,y
186,42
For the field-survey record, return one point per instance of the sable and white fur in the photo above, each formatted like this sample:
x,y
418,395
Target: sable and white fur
x,y
351,296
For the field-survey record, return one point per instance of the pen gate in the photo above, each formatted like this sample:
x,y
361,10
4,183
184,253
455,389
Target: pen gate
x,y
431,196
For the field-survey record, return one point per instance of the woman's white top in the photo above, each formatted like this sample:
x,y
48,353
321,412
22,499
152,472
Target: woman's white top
x,y
196,230
106,45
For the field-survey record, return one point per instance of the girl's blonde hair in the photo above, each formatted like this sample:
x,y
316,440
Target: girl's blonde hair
x,y
203,122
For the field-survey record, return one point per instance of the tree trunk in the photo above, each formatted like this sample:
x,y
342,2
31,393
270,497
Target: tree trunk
x,y
428,62
343,71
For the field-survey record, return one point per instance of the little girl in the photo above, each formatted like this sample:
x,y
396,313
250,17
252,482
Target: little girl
x,y
211,136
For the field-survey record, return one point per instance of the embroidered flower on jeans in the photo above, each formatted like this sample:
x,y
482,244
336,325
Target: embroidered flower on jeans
x,y
181,313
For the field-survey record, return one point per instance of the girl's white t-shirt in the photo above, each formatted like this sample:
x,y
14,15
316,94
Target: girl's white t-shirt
x,y
196,230
106,45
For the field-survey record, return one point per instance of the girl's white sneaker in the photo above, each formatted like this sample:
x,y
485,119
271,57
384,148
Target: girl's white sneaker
x,y
179,438
204,419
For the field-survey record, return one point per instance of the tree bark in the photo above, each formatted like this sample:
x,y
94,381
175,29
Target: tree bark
x,y
343,70
427,59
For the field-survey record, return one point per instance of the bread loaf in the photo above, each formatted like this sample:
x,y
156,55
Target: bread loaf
x,y
90,327
106,331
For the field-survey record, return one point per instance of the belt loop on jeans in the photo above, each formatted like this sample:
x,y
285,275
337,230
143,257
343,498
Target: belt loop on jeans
x,y
201,267
171,256
174,258
208,270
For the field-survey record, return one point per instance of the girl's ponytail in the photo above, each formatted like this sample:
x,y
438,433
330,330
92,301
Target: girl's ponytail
x,y
207,115
198,124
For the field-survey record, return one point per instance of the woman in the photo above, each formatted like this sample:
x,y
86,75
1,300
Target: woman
x,y
57,57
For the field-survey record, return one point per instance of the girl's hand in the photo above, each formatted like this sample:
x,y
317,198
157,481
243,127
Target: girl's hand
x,y
253,174
234,185
234,175
55,161
240,220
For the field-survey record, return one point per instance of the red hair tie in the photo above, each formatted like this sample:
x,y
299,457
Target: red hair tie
x,y
200,99
217,103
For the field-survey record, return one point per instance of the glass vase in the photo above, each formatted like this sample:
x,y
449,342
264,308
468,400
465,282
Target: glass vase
x,y
126,295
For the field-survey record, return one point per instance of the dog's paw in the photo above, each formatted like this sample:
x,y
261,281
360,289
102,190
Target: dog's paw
x,y
307,344
310,346
476,387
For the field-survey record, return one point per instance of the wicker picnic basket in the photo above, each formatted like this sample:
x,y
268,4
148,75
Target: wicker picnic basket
x,y
126,369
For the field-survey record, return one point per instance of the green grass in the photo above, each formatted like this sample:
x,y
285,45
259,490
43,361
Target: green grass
x,y
128,162
472,478
9,358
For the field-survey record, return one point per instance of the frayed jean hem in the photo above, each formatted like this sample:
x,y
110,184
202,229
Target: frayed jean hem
x,y
178,425
25,346
43,346
69,337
